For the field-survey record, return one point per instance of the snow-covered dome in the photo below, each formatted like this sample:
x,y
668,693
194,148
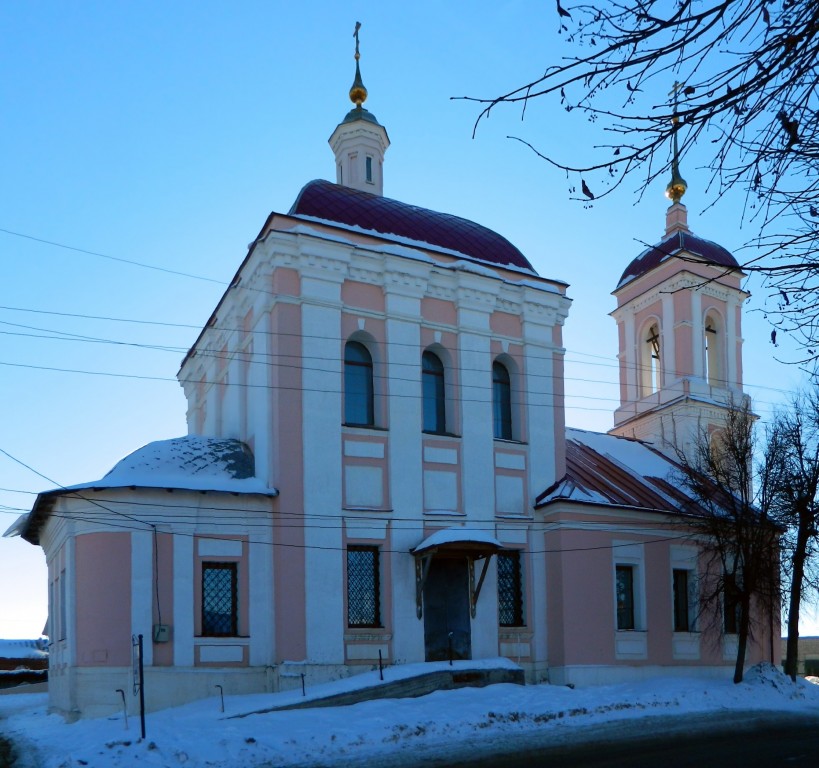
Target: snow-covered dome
x,y
186,457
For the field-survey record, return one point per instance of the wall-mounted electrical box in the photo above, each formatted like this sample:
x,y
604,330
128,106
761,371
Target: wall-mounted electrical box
x,y
162,633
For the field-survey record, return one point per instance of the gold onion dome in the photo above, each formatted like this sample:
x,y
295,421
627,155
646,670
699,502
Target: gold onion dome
x,y
677,186
358,93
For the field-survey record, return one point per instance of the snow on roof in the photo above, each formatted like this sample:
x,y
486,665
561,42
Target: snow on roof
x,y
458,535
191,462
616,471
22,649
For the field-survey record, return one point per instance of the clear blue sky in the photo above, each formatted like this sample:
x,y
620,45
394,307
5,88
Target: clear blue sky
x,y
164,133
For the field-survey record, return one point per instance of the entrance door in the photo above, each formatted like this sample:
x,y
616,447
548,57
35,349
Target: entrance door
x,y
446,610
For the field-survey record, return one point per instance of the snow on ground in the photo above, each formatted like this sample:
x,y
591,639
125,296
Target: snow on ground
x,y
393,732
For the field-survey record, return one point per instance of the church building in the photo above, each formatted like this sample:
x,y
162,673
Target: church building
x,y
377,467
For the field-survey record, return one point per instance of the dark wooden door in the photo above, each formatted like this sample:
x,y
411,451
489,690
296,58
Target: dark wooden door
x,y
446,610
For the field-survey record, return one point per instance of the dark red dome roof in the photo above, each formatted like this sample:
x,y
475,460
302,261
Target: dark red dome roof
x,y
351,207
673,245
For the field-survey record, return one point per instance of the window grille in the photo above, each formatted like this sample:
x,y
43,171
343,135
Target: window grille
x,y
219,603
510,590
363,587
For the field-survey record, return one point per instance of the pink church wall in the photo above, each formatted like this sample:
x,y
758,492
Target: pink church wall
x,y
363,295
287,473
505,324
286,282
102,592
439,311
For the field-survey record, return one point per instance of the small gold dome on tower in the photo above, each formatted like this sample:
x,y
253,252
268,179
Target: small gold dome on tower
x,y
358,93
677,186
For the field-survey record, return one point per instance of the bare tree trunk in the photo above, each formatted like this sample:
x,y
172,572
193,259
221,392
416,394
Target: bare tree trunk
x,y
799,555
744,630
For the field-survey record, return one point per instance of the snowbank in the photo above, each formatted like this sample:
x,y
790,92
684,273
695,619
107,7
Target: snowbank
x,y
379,732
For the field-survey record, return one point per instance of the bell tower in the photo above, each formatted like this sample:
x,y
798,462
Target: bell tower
x,y
679,323
359,141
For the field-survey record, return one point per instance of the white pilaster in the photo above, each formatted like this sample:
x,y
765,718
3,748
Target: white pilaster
x,y
183,601
732,373
697,335
669,356
405,470
321,424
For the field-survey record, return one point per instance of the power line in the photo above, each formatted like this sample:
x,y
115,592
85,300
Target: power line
x,y
113,258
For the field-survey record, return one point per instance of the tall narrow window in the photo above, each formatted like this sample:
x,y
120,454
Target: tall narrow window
x,y
432,380
682,583
219,600
510,590
369,169
358,385
501,402
713,352
650,361
363,587
625,596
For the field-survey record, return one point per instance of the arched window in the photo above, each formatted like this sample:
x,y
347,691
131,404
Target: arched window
x,y
501,402
358,385
714,351
650,361
432,380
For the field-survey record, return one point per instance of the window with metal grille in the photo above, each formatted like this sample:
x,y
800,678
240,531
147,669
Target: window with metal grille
x,y
219,599
510,590
363,587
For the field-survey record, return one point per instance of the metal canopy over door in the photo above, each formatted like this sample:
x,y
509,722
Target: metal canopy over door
x,y
446,591
447,626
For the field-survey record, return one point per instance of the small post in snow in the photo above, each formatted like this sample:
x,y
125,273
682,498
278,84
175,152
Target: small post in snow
x,y
221,696
449,644
303,691
141,689
124,706
380,665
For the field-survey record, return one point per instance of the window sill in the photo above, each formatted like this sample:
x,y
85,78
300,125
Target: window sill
x,y
371,427
510,441
430,433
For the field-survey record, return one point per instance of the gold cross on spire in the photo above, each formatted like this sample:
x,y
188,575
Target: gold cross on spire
x,y
358,93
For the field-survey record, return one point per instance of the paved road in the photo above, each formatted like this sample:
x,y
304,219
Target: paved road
x,y
733,740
